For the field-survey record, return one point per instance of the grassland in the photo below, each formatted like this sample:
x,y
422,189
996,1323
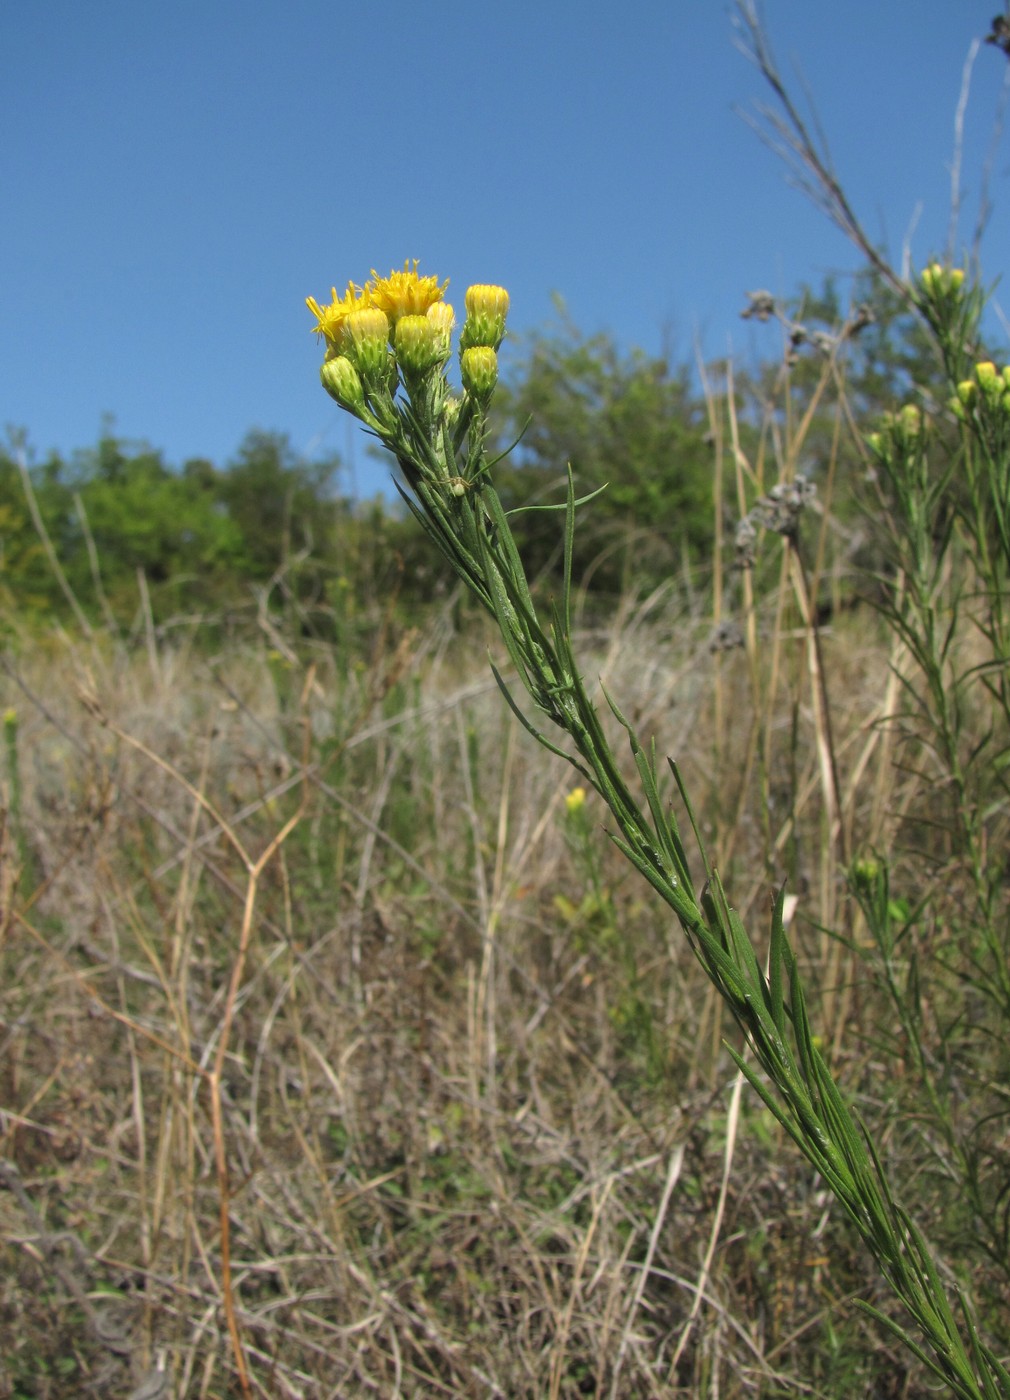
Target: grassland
x,y
332,1039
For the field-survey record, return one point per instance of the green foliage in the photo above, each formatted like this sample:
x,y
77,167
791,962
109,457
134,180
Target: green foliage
x,y
143,516
273,501
630,422
202,537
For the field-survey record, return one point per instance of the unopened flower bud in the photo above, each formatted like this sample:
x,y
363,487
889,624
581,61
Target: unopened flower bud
x,y
988,377
343,383
418,345
364,340
479,366
486,310
865,873
910,420
451,410
443,318
967,392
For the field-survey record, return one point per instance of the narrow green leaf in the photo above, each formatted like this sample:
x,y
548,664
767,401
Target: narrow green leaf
x,y
775,957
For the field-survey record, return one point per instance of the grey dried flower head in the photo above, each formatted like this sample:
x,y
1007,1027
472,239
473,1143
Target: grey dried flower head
x,y
1000,35
861,317
728,636
745,542
824,342
761,308
779,512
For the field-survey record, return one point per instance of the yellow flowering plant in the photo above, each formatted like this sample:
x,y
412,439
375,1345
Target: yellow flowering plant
x,y
439,440
941,517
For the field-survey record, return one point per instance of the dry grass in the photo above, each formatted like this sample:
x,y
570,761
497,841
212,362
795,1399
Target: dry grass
x,y
311,1085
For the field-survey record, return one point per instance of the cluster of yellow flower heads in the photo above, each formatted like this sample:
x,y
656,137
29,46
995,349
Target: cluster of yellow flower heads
x,y
400,294
401,325
902,430
983,400
987,394
940,282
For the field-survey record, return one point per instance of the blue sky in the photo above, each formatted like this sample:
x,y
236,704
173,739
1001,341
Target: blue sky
x,y
179,176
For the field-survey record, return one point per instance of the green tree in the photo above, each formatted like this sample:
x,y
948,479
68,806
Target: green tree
x,y
283,506
144,516
629,422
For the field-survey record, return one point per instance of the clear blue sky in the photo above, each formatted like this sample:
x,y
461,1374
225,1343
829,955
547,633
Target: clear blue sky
x,y
178,176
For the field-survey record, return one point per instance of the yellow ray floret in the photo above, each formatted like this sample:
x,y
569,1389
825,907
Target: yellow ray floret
x,y
330,319
404,293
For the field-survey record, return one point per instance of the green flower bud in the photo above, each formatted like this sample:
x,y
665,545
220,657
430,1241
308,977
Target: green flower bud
x,y
910,420
343,383
418,345
451,411
988,377
479,366
443,318
865,874
967,392
365,334
486,309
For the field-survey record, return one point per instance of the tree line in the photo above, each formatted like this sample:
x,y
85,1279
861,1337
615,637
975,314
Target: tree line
x,y
271,529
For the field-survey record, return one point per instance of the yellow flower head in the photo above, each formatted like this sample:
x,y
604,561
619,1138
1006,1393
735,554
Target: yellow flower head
x,y
404,293
330,319
576,799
